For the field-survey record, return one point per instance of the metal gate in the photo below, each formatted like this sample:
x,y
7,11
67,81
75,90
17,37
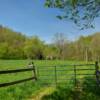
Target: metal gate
x,y
69,75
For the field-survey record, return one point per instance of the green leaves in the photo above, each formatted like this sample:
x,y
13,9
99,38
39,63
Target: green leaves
x,y
59,17
81,12
14,45
48,3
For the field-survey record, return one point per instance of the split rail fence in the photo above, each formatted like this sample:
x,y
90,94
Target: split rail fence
x,y
18,71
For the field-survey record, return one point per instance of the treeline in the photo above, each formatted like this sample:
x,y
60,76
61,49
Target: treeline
x,y
14,45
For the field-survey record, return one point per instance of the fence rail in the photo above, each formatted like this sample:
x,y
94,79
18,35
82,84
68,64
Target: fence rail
x,y
16,82
18,71
15,71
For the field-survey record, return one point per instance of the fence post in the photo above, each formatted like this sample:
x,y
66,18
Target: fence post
x,y
34,71
37,72
97,72
75,75
55,76
96,66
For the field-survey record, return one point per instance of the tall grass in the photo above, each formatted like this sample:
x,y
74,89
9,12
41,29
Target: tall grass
x,y
25,90
89,91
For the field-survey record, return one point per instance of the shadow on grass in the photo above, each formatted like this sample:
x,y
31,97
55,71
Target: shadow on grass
x,y
89,91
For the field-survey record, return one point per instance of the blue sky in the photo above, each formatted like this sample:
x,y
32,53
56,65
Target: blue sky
x,y
31,18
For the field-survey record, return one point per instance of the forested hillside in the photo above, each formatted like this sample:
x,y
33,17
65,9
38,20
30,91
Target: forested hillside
x,y
14,45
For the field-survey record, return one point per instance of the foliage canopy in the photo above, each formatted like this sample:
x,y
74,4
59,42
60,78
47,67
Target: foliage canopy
x,y
81,12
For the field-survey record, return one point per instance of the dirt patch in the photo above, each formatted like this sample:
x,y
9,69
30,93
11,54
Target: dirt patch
x,y
42,92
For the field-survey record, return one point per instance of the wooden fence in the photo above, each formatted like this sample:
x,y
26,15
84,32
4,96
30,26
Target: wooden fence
x,y
18,71
37,75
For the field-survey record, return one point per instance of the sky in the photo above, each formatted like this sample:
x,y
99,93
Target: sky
x,y
31,18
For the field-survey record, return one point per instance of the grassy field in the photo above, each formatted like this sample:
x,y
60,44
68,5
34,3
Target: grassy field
x,y
45,74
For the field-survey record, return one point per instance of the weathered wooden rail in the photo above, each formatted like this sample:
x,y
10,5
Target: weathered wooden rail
x,y
18,71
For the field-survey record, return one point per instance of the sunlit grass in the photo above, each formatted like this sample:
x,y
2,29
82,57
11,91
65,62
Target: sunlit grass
x,y
25,90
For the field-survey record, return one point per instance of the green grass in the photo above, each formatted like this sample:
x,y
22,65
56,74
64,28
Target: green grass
x,y
19,91
25,90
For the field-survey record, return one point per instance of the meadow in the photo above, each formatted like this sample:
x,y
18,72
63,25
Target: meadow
x,y
45,75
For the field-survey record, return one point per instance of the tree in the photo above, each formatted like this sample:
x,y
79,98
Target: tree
x,y
83,45
11,44
95,45
33,48
3,50
81,12
60,43
50,52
